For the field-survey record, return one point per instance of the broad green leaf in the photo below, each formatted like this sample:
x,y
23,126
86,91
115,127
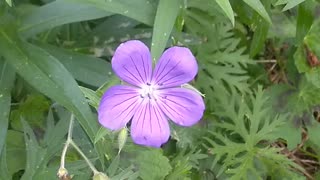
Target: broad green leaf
x,y
314,133
87,69
304,20
309,49
167,13
140,10
49,76
153,164
7,77
227,9
58,13
259,8
291,134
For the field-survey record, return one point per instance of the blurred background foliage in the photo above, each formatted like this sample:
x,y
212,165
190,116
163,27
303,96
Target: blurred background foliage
x,y
258,68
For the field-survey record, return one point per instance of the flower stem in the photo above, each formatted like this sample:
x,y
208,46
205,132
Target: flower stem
x,y
93,169
62,170
66,145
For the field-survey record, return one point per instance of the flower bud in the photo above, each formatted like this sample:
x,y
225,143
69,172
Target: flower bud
x,y
100,176
122,138
63,174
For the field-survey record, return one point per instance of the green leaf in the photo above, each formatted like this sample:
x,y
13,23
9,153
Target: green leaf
x,y
304,20
291,134
4,172
167,13
227,9
32,110
260,34
49,76
9,2
57,13
92,96
16,152
87,69
112,169
314,133
289,3
35,154
140,10
302,56
153,165
7,77
252,121
259,8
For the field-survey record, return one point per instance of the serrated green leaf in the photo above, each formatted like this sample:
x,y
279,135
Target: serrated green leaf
x,y
259,8
47,75
227,9
140,10
57,13
7,77
252,120
153,168
167,13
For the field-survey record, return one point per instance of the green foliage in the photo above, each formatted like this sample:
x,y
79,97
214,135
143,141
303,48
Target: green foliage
x,y
153,165
6,83
244,124
258,73
162,26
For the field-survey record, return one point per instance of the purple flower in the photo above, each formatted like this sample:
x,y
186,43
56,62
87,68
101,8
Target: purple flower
x,y
152,97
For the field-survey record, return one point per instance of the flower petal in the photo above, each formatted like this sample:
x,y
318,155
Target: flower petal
x,y
149,126
183,106
132,62
117,106
176,66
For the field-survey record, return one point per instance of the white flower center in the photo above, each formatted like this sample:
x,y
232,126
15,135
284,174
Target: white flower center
x,y
148,91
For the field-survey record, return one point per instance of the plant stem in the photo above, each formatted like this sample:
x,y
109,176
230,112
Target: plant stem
x,y
66,145
65,148
93,169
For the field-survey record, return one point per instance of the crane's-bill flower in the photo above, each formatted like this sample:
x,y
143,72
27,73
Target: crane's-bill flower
x,y
151,98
